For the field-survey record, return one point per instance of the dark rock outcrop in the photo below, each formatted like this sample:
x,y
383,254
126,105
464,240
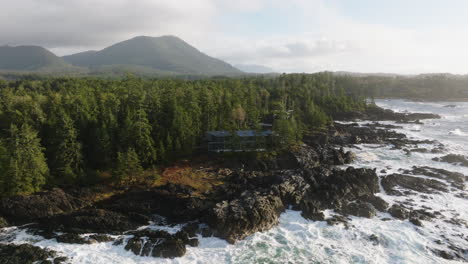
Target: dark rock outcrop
x,y
26,254
392,183
250,213
90,221
23,209
399,212
454,159
159,243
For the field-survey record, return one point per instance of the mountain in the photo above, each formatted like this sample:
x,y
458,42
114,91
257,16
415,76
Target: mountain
x,y
164,54
253,68
29,58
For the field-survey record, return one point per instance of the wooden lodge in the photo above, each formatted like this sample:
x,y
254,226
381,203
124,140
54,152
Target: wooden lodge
x,y
242,140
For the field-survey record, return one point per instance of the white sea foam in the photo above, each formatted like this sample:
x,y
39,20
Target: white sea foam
x,y
457,132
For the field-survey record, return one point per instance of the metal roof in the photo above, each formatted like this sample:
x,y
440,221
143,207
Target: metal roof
x,y
241,133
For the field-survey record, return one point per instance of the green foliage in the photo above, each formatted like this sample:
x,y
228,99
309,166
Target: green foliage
x,y
65,156
128,167
132,125
26,171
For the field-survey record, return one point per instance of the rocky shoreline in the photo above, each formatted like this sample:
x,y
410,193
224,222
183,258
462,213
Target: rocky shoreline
x,y
250,199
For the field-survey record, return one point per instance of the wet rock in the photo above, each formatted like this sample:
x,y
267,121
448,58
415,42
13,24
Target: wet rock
x,y
134,244
311,210
24,209
422,214
360,209
90,221
193,242
456,179
375,239
23,254
415,221
191,229
454,159
390,183
99,238
159,243
72,239
169,248
250,213
60,260
379,203
444,254
337,219
399,212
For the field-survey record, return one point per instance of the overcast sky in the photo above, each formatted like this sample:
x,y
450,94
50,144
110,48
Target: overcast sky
x,y
400,36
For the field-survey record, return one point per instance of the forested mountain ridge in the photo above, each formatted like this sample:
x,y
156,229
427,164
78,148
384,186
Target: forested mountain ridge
x,y
424,87
29,58
166,53
71,130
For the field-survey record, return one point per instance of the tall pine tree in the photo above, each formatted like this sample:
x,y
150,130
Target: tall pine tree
x,y
27,169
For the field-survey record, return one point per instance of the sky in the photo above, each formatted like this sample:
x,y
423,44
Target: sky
x,y
393,36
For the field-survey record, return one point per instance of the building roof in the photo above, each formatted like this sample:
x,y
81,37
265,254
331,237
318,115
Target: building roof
x,y
240,133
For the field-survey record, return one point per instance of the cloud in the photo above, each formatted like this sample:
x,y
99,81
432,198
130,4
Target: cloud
x,y
297,35
93,23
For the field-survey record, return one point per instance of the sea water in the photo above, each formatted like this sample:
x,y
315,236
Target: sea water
x,y
297,240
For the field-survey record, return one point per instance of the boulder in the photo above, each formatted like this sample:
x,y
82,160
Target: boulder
x,y
24,209
25,254
454,159
159,243
392,182
72,239
251,212
91,221
399,212
360,209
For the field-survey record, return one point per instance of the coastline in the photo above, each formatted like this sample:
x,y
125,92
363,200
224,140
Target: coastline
x,y
250,200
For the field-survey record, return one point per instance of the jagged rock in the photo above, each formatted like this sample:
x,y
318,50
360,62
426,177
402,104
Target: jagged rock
x,y
379,203
375,239
311,210
415,221
360,209
134,244
193,242
159,243
72,239
169,248
456,179
390,182
24,209
24,254
399,212
453,159
251,212
91,221
100,238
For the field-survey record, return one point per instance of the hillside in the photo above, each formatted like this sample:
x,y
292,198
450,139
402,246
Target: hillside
x,y
165,54
29,58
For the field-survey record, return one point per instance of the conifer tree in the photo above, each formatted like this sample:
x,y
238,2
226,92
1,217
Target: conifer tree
x,y
67,160
27,169
128,167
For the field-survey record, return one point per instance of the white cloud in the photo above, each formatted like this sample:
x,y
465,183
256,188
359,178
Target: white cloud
x,y
319,37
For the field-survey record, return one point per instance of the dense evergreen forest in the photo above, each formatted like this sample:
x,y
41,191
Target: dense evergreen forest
x,y
64,131
426,87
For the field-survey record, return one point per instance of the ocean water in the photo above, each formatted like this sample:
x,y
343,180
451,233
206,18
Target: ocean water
x,y
297,240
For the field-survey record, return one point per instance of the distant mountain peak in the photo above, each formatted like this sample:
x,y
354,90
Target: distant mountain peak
x,y
166,53
28,58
